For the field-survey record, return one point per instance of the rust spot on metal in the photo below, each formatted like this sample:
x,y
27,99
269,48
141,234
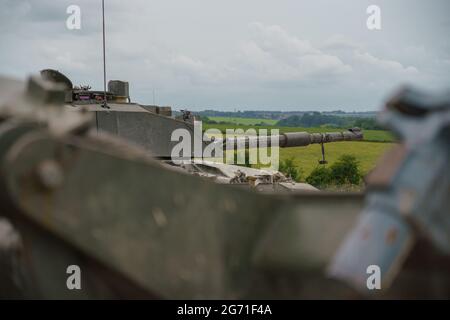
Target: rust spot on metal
x,y
406,201
365,234
391,236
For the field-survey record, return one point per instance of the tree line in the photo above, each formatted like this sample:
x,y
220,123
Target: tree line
x,y
316,119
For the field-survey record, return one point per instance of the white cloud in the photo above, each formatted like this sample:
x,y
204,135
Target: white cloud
x,y
270,55
297,55
339,42
385,65
275,55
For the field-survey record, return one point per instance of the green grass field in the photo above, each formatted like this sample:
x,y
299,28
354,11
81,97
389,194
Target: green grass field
x,y
306,158
367,152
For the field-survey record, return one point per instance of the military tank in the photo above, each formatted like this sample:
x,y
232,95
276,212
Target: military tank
x,y
75,201
152,127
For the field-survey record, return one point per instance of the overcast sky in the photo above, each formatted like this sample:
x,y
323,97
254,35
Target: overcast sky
x,y
236,54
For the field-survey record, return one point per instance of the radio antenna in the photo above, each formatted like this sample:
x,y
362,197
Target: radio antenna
x,y
105,103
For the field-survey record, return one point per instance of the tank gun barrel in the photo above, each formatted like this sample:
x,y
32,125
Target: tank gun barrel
x,y
294,139
302,139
